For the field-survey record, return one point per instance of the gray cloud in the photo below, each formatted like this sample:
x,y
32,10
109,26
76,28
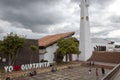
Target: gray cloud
x,y
32,13
34,17
21,4
101,2
102,34
1,31
98,2
115,19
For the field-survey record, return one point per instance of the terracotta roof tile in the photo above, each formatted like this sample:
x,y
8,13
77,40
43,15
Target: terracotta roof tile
x,y
51,39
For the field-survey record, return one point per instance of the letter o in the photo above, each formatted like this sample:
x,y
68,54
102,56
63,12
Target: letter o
x,y
22,67
10,68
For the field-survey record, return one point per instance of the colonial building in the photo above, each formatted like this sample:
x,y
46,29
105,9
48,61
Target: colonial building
x,y
100,44
48,45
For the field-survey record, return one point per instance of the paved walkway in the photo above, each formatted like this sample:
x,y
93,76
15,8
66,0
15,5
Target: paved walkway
x,y
108,64
102,63
76,73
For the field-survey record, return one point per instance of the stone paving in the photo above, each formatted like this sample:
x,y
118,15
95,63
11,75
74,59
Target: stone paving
x,y
76,73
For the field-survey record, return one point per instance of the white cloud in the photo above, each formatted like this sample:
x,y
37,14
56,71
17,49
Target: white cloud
x,y
97,29
7,27
114,8
114,34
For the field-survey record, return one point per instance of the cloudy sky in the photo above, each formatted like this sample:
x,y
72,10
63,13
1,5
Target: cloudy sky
x,y
38,18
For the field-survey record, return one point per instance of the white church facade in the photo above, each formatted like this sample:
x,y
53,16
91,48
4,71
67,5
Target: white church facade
x,y
48,45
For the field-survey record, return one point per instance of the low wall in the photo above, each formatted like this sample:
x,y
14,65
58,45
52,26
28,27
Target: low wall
x,y
102,56
17,74
87,64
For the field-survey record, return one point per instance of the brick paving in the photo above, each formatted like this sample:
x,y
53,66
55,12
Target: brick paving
x,y
76,73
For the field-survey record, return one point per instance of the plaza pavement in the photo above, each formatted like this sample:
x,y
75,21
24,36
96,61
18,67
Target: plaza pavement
x,y
75,73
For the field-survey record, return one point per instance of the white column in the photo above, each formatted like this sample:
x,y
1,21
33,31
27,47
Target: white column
x,y
85,38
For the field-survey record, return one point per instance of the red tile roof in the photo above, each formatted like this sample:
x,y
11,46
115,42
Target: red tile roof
x,y
51,39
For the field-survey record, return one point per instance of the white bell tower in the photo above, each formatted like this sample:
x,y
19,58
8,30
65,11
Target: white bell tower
x,y
85,38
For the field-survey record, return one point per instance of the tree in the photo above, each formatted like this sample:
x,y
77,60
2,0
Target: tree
x,y
11,45
34,49
67,47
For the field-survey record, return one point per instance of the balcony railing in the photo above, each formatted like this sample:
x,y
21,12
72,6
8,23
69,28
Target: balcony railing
x,y
111,73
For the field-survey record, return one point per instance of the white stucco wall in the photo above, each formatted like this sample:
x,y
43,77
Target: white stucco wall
x,y
74,57
50,53
64,59
85,36
41,56
110,47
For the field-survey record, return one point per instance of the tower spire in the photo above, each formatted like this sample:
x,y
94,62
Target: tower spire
x,y
85,39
